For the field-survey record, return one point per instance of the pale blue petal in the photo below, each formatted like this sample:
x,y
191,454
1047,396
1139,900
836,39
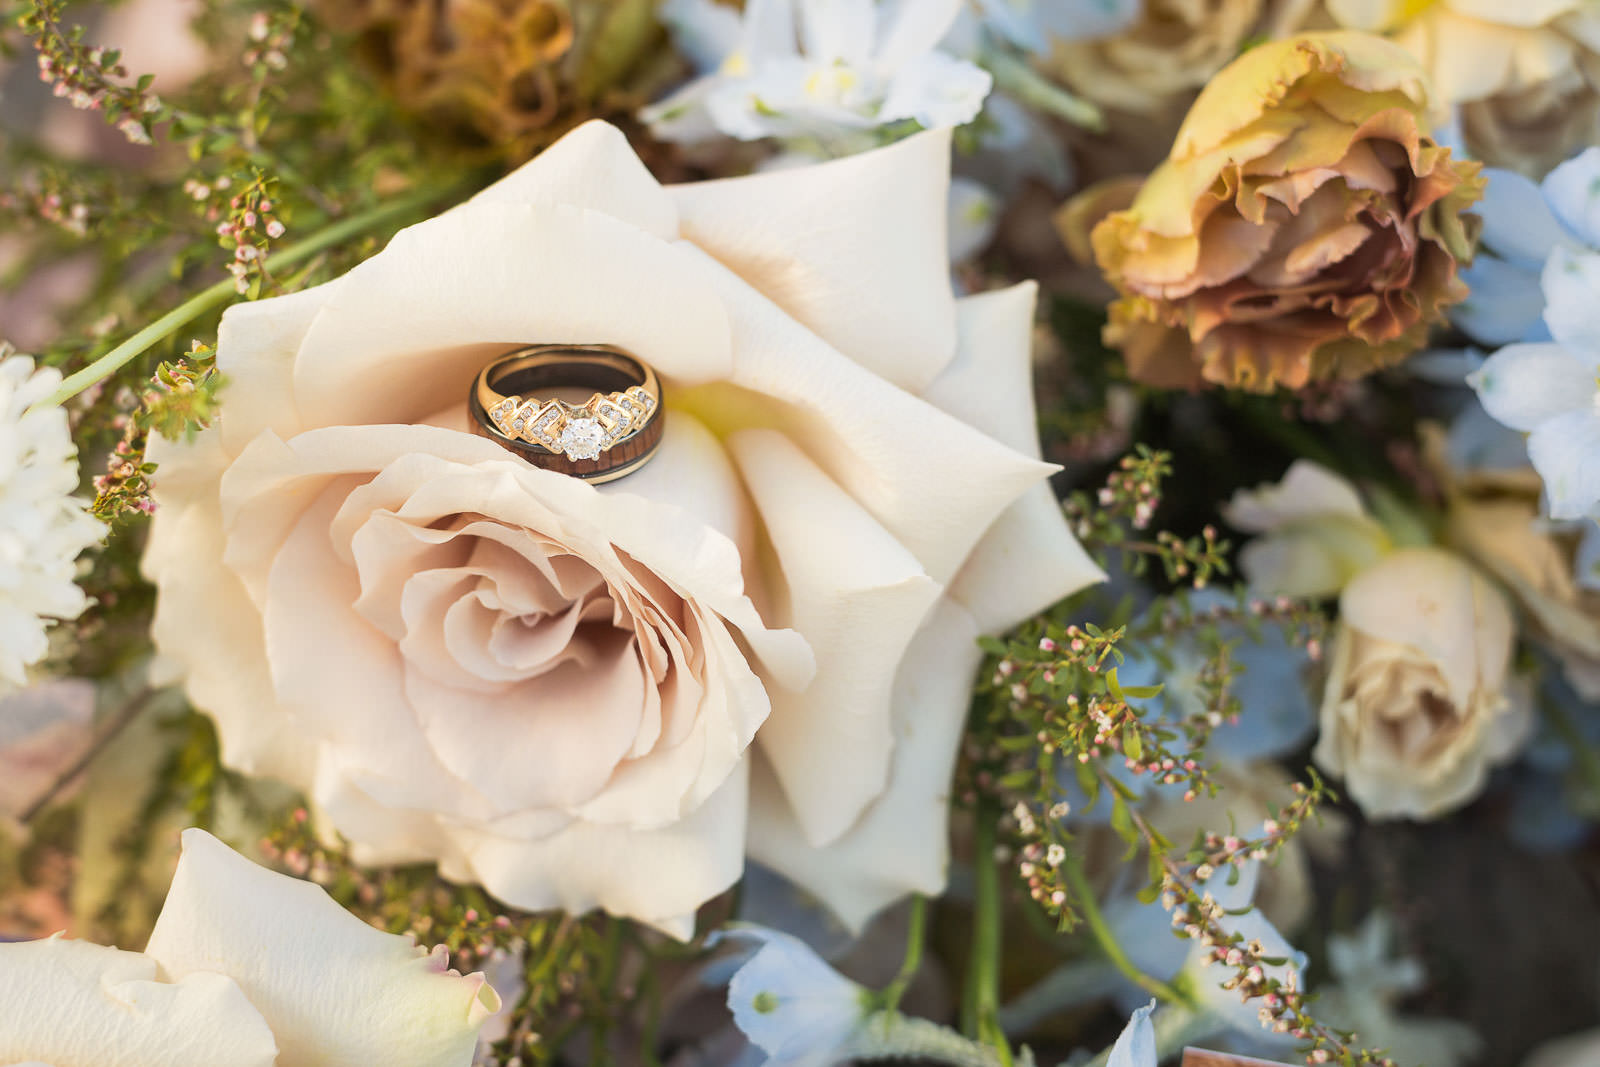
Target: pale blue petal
x,y
1504,302
1012,21
1571,283
1518,225
1069,20
1479,442
1566,452
936,90
1524,385
1136,1045
705,32
1573,192
791,1004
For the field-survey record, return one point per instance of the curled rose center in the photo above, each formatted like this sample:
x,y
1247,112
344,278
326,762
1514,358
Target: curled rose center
x,y
536,643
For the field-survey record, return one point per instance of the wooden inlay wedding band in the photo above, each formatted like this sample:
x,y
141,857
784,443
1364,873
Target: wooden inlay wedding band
x,y
612,433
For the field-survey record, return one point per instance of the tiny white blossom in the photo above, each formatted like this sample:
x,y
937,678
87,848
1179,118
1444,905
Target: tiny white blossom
x,y
816,68
43,527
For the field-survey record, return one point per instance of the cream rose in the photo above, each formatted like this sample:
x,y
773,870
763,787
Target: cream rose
x,y
1525,74
1416,707
587,696
245,967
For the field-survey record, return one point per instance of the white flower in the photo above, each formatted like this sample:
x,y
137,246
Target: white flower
x,y
1537,291
816,68
1136,1045
792,1005
1417,706
245,967
43,527
1315,533
590,696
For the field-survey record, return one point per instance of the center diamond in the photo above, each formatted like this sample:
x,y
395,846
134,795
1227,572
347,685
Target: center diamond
x,y
582,438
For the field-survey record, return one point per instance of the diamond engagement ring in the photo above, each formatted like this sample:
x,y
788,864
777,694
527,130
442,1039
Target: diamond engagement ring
x,y
612,433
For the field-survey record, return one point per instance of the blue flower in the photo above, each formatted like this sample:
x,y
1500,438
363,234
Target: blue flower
x,y
790,1003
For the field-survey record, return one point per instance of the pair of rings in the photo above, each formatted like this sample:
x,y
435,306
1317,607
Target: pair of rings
x,y
612,433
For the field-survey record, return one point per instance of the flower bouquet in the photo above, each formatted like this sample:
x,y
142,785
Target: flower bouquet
x,y
687,533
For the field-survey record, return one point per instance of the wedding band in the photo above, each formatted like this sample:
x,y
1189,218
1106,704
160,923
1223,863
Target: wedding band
x,y
612,433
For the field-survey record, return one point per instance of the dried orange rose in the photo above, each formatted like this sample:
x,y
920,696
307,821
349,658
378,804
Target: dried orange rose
x,y
1303,228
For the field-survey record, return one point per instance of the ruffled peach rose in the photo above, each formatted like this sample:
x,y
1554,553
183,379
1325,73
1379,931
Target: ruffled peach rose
x,y
1525,74
601,696
1302,229
1416,707
245,967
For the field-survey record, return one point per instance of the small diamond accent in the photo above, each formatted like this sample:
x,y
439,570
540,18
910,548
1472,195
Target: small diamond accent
x,y
583,438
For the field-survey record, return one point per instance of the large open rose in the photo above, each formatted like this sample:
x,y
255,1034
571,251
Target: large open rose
x,y
589,696
1304,227
245,968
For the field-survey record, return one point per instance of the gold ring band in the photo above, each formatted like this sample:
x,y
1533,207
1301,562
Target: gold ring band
x,y
612,433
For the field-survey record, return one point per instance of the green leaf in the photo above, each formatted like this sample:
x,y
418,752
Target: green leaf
x,y
1132,746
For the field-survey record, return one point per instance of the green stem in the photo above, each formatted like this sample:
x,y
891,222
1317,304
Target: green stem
x,y
1084,899
220,293
980,1013
915,935
1015,76
890,1035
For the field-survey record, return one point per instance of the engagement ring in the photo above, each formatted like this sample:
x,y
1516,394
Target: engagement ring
x,y
612,433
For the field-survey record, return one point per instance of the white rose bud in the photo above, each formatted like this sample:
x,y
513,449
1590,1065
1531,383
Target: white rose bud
x,y
1416,709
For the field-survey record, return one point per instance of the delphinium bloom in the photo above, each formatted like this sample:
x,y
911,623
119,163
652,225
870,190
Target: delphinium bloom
x,y
1550,389
812,69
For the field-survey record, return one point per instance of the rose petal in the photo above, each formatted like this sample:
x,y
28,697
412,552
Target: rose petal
x,y
589,865
256,344
1523,13
208,630
332,988
932,481
900,844
1028,559
418,320
592,168
1524,385
1433,601
815,239
75,1004
857,595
